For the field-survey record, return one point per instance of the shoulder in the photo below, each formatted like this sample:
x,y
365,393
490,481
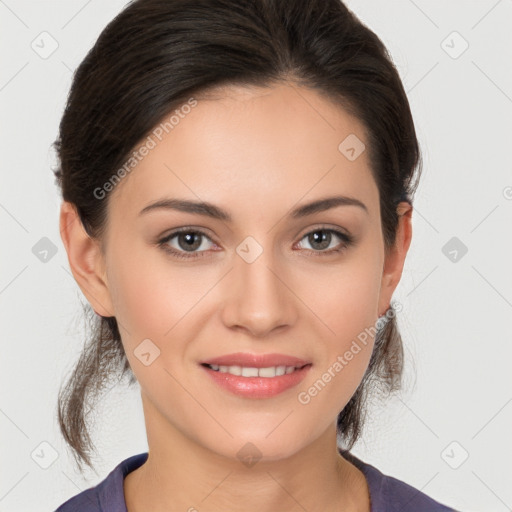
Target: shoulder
x,y
86,501
108,495
387,493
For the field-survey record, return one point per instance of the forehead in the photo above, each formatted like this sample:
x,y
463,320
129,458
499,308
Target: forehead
x,y
252,146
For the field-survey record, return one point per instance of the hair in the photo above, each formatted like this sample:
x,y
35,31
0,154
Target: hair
x,y
156,54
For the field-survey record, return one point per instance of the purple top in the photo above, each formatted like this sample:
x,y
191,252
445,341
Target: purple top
x,y
387,494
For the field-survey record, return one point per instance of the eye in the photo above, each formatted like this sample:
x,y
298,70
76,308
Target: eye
x,y
188,241
321,239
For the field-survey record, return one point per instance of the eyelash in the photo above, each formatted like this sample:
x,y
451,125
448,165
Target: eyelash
x,y
347,241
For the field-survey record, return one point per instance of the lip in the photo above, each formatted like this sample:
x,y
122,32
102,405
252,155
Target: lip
x,y
256,360
257,387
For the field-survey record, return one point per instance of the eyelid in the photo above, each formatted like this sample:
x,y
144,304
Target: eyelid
x,y
187,229
325,227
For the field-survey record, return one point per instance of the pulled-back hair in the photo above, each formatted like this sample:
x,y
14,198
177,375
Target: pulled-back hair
x,y
154,56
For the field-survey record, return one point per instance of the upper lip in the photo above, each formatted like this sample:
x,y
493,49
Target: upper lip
x,y
256,360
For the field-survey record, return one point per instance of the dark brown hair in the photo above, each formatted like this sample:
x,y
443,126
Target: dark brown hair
x,y
156,54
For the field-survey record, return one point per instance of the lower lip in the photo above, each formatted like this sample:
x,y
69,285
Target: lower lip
x,y
257,387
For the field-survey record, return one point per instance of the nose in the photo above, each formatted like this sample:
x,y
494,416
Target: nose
x,y
258,298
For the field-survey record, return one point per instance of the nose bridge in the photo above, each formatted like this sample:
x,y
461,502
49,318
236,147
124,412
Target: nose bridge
x,y
257,297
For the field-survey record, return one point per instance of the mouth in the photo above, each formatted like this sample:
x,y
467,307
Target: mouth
x,y
268,372
256,376
250,360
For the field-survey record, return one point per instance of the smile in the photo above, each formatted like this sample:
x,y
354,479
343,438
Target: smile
x,y
252,382
244,371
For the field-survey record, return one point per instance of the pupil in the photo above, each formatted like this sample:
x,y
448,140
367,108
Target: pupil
x,y
191,241
324,238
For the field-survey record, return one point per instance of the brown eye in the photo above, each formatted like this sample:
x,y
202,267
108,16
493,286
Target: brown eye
x,y
187,242
322,238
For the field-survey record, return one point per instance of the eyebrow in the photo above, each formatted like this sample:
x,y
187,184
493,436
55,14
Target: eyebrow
x,y
215,212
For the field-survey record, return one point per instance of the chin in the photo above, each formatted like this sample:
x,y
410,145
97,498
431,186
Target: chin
x,y
257,446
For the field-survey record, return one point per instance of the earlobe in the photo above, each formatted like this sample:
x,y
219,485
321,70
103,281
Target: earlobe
x,y
85,260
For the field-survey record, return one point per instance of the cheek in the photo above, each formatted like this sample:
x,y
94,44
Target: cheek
x,y
345,302
345,297
154,300
152,294
158,300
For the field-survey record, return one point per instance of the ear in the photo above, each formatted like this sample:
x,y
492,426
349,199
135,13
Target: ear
x,y
85,260
395,258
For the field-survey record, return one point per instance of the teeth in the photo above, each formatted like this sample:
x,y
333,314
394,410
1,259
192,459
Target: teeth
x,y
271,371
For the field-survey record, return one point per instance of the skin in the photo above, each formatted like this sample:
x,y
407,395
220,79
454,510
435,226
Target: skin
x,y
257,153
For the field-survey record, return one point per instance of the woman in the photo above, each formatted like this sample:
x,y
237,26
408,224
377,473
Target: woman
x,y
237,182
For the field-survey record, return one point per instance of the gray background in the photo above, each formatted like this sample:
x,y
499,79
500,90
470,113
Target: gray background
x,y
457,307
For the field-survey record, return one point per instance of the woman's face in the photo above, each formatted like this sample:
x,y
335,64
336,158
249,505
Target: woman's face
x,y
265,281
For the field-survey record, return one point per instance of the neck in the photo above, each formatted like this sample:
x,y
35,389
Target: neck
x,y
181,474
